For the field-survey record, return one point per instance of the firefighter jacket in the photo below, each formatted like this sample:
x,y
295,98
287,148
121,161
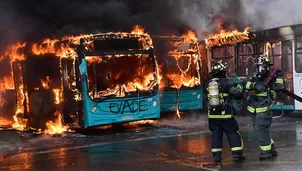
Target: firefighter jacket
x,y
227,90
262,100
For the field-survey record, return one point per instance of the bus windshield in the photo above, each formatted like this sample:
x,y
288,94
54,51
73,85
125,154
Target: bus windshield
x,y
121,75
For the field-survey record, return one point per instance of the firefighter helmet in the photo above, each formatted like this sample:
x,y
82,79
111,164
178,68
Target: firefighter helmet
x,y
218,68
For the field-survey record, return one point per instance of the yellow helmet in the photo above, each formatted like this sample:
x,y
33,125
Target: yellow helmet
x,y
218,67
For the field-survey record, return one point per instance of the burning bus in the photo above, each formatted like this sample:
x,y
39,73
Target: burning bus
x,y
179,60
282,45
116,79
107,78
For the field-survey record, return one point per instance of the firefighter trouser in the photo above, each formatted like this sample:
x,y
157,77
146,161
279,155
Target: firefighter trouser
x,y
230,128
262,123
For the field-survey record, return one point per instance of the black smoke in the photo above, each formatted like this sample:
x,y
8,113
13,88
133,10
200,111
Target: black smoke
x,y
35,19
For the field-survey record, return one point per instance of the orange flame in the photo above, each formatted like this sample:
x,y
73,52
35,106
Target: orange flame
x,y
45,82
63,48
13,52
188,48
93,59
227,38
138,30
56,127
58,98
183,79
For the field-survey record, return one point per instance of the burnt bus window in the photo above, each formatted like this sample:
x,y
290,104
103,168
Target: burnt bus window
x,y
115,44
275,55
226,55
121,76
221,52
245,59
298,58
286,58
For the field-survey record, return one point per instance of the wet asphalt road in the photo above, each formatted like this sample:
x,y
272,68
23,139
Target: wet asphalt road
x,y
157,148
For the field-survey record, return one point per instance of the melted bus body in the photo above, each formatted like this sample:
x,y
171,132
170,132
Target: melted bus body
x,y
181,84
116,79
284,47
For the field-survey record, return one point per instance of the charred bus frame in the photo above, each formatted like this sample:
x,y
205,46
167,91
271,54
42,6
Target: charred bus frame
x,y
184,98
96,112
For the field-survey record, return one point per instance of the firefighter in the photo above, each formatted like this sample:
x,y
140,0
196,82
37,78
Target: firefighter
x,y
220,92
260,104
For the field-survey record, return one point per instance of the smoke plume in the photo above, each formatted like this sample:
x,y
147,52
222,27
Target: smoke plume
x,y
35,19
205,15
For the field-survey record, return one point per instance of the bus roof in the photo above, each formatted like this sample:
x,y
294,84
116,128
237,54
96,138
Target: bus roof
x,y
282,32
119,43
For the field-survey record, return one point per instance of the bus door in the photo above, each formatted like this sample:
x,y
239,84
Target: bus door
x,y
287,68
280,54
298,71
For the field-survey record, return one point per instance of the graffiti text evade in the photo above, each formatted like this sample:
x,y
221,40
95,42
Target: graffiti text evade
x,y
128,106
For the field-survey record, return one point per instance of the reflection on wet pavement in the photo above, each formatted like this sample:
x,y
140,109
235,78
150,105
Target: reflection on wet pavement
x,y
179,151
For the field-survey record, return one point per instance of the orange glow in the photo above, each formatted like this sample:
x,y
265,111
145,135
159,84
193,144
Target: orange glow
x,y
227,38
138,30
14,52
149,81
57,126
58,98
5,122
45,82
59,47
93,59
182,80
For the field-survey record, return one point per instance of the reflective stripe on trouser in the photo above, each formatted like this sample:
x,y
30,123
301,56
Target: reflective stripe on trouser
x,y
230,127
262,123
222,116
259,109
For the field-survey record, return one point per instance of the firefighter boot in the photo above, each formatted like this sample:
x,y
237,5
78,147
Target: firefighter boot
x,y
274,151
265,155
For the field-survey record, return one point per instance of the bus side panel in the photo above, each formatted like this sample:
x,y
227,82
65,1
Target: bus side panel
x,y
191,99
168,100
188,100
120,110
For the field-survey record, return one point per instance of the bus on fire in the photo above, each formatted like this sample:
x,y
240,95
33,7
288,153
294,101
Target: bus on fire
x,y
180,69
116,79
284,47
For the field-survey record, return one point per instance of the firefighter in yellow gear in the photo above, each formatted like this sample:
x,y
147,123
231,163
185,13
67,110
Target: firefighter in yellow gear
x,y
220,91
260,104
